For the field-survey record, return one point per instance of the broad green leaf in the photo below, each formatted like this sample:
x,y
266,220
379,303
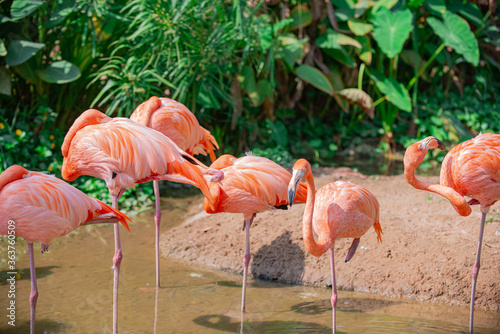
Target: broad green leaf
x,y
22,8
59,72
360,7
20,51
359,98
344,9
414,4
468,10
58,17
455,32
388,4
431,48
365,54
290,49
265,90
336,79
395,91
301,16
5,84
340,55
436,7
359,28
332,39
391,30
3,50
4,19
315,77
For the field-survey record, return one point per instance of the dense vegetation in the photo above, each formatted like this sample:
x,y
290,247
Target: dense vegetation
x,y
282,78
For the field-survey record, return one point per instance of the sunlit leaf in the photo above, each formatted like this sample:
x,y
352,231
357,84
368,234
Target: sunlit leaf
x,y
391,30
468,10
455,32
365,54
5,84
395,91
20,51
22,8
59,72
3,50
359,98
4,19
315,77
359,28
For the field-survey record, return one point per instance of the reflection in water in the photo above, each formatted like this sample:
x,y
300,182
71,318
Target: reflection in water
x,y
225,324
24,274
345,304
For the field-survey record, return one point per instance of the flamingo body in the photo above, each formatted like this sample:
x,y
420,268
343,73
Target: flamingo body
x,y
175,121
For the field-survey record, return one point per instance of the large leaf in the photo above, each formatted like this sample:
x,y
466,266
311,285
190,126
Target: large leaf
x,y
59,72
5,84
332,39
341,55
290,48
344,9
388,4
395,91
315,78
301,16
20,51
436,7
23,8
359,98
468,10
456,34
391,30
359,28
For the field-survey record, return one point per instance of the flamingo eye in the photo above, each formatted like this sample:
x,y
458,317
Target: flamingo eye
x,y
114,175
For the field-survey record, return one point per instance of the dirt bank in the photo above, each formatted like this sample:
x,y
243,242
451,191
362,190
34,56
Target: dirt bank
x,y
427,249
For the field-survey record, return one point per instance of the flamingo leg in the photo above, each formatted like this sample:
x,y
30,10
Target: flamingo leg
x,y
334,290
246,260
156,186
475,272
117,260
34,289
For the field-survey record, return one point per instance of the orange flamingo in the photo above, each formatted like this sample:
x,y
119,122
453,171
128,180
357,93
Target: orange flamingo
x,y
175,121
122,153
343,210
470,169
179,124
40,207
251,185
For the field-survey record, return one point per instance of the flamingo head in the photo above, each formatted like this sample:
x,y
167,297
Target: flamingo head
x,y
11,174
301,170
416,152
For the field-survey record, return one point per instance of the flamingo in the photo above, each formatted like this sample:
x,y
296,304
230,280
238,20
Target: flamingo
x,y
251,185
179,124
122,153
470,169
40,207
343,210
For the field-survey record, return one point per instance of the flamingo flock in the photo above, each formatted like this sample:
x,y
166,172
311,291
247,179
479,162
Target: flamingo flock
x,y
158,143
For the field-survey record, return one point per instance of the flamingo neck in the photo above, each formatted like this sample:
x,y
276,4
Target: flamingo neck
x,y
457,201
316,249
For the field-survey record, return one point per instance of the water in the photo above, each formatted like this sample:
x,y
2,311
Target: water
x,y
75,294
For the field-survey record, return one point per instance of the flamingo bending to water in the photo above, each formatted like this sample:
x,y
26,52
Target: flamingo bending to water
x,y
40,207
251,185
342,210
122,153
470,169
179,124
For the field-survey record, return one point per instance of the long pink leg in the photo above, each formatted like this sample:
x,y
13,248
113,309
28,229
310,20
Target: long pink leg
x,y
246,261
475,273
117,260
334,290
34,289
156,186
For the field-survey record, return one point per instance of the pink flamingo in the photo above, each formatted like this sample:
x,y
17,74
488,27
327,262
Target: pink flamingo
x,y
343,210
251,185
40,207
470,169
122,153
179,124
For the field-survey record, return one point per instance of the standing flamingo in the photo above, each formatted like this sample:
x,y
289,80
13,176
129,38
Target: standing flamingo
x,y
470,169
179,124
122,153
40,207
251,185
343,210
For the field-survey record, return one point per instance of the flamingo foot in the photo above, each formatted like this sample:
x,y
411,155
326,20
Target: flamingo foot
x,y
45,248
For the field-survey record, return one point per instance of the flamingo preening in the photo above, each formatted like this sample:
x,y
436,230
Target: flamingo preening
x,y
337,210
122,153
470,169
40,207
175,121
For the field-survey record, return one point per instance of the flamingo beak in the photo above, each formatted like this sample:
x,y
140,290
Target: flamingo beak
x,y
292,186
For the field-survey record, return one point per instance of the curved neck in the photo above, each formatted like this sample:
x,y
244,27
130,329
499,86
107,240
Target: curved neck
x,y
312,246
457,201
